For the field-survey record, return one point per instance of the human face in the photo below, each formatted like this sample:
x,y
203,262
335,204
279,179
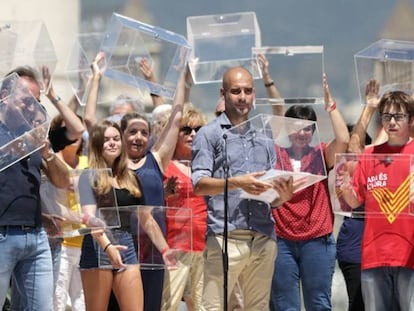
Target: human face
x,y
29,100
185,140
136,137
123,109
112,145
301,138
396,124
238,93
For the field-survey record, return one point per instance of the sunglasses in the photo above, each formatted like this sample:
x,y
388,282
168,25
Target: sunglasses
x,y
28,101
187,130
398,117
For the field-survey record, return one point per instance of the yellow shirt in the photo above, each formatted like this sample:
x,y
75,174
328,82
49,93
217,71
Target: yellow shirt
x,y
74,206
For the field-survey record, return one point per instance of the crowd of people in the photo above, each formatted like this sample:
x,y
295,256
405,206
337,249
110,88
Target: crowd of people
x,y
233,253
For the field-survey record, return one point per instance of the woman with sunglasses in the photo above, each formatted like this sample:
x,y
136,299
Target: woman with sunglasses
x,y
187,281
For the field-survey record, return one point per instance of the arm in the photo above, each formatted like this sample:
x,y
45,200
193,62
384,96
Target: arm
x,y
188,84
74,126
164,147
271,89
112,250
152,229
148,74
54,168
74,101
91,102
341,135
357,140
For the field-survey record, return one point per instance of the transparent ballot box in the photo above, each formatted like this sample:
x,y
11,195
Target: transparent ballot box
x,y
127,42
24,123
220,42
382,182
26,43
61,211
267,143
143,231
97,198
287,65
390,62
85,47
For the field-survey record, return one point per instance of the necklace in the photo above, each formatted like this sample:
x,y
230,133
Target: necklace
x,y
136,160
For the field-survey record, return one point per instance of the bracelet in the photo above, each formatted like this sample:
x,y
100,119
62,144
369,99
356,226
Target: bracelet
x,y
56,100
331,107
269,84
85,219
164,250
106,246
51,157
154,95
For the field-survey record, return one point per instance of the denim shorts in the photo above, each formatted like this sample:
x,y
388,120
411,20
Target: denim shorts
x,y
93,256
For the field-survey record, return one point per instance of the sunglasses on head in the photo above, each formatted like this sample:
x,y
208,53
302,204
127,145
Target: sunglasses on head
x,y
187,130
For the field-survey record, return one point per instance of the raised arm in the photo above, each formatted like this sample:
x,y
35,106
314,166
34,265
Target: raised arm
x,y
74,101
341,135
271,89
357,140
164,147
56,171
90,118
74,126
148,74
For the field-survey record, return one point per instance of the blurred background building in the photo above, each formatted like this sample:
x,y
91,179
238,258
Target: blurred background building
x,y
342,27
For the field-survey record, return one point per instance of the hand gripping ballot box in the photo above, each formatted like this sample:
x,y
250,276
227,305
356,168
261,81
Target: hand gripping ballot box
x,y
78,71
373,185
26,43
24,123
390,62
143,231
220,42
286,67
127,42
77,210
267,143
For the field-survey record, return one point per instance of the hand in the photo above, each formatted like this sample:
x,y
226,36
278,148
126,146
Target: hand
x,y
113,252
327,94
46,150
284,188
372,93
94,222
98,66
170,259
263,63
170,186
52,224
146,69
47,82
251,184
182,61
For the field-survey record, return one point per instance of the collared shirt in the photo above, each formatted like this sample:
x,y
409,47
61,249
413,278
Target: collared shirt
x,y
248,151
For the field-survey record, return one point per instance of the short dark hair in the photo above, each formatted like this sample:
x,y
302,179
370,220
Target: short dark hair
x,y
22,71
399,99
301,112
